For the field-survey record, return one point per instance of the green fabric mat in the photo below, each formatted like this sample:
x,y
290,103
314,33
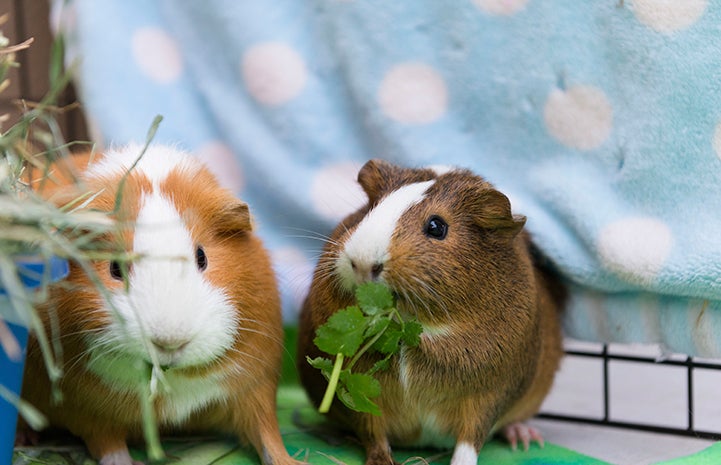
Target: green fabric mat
x,y
709,456
308,437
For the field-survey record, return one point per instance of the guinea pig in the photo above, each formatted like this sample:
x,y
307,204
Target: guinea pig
x,y
447,245
200,303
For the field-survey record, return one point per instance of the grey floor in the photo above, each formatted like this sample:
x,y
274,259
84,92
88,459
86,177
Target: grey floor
x,y
639,393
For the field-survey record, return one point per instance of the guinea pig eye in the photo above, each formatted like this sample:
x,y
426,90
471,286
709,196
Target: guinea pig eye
x,y
436,228
116,270
201,259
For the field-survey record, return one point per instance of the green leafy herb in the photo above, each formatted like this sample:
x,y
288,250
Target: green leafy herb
x,y
373,325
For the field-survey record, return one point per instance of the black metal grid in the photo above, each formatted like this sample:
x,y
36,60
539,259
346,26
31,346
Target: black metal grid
x,y
689,363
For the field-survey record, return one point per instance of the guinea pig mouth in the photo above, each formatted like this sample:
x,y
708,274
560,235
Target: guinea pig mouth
x,y
182,359
167,362
169,351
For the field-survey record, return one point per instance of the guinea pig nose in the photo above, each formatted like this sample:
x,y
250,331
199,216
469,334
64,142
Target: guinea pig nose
x,y
169,345
366,271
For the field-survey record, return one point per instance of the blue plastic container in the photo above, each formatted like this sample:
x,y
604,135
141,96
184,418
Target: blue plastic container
x,y
32,271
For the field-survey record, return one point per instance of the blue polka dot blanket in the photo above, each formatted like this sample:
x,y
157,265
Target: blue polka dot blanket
x,y
601,121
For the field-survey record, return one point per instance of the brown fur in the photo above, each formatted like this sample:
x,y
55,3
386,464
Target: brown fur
x,y
237,263
497,362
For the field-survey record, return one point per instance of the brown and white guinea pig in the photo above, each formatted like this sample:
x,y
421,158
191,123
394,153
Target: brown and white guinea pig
x,y
201,300
447,245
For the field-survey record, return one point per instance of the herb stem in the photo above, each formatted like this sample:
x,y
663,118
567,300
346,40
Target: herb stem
x,y
150,425
332,384
365,348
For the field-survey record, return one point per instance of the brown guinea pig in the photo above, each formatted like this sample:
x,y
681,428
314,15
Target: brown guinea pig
x,y
200,304
447,245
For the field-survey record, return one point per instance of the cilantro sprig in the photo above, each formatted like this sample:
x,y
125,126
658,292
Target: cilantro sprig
x,y
373,325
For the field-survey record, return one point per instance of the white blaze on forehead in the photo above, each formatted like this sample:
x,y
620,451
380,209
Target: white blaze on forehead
x,y
370,241
159,229
166,271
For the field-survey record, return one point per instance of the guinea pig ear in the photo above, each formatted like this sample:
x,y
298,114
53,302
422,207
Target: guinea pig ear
x,y
494,213
233,218
375,177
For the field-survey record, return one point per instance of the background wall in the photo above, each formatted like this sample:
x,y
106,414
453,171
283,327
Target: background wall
x,y
29,83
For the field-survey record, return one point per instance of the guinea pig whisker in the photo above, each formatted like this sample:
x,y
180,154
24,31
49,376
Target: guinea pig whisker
x,y
325,272
309,233
261,325
431,293
76,362
244,354
316,237
260,333
82,332
107,347
315,253
325,266
73,363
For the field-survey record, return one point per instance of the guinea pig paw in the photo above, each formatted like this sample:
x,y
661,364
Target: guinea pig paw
x,y
119,457
515,431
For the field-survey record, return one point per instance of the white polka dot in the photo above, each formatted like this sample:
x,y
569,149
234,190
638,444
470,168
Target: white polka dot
x,y
717,140
636,248
222,163
501,7
413,93
273,72
335,192
157,55
667,16
580,117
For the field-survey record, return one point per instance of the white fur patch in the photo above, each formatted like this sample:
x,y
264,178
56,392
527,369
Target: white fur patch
x,y
117,457
431,434
436,331
156,163
369,243
464,454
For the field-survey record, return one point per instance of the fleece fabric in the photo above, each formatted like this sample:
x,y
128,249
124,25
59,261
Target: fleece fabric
x,y
599,120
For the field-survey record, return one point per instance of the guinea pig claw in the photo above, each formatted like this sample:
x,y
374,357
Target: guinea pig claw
x,y
525,433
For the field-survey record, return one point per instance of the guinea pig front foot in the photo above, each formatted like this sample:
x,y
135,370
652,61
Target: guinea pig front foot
x,y
378,451
118,457
464,453
518,430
